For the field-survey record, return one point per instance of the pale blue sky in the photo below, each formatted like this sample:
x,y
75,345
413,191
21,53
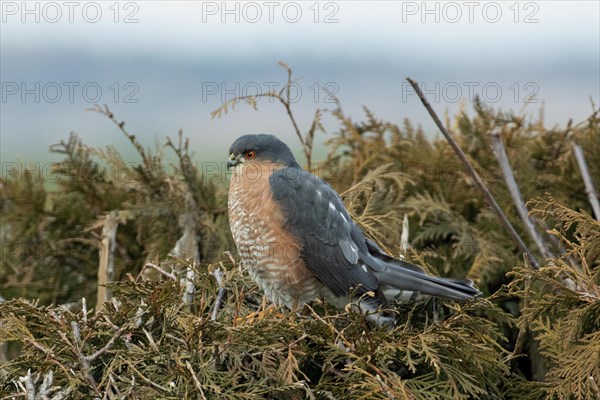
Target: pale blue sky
x,y
176,51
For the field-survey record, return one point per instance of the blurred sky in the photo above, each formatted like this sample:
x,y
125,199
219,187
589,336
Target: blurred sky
x,y
180,59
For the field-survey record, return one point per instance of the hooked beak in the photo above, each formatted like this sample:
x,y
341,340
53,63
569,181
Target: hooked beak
x,y
233,160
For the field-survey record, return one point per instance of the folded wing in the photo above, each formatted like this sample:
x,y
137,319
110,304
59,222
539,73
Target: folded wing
x,y
336,251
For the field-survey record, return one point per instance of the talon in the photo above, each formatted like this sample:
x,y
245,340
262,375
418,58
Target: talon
x,y
259,315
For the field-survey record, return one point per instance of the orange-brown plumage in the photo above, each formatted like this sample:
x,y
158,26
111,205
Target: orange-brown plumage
x,y
269,252
298,242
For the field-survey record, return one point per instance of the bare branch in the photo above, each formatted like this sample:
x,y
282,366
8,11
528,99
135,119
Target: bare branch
x,y
594,385
107,257
29,385
515,193
84,309
284,98
195,379
148,381
471,169
404,237
188,246
218,274
384,388
107,346
286,103
590,190
169,275
85,364
121,125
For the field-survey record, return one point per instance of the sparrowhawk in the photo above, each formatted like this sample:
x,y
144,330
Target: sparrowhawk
x,y
298,242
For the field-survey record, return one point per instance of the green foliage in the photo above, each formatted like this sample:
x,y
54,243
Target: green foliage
x,y
146,344
450,221
562,307
534,336
50,230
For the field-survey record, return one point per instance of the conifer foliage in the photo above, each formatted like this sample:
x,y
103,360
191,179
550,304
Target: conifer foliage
x,y
183,320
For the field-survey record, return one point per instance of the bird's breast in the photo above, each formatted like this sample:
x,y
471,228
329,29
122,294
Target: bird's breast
x,y
270,253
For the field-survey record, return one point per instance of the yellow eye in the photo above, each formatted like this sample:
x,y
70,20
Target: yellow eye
x,y
250,154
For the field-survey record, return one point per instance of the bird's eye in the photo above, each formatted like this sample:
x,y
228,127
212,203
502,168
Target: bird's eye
x,y
250,154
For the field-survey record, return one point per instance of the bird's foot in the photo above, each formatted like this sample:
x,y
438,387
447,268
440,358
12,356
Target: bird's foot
x,y
264,311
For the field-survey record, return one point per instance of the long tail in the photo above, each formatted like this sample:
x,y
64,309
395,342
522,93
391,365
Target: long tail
x,y
408,277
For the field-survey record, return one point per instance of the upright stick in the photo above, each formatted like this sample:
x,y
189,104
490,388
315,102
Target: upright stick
x,y
107,258
590,190
469,167
515,193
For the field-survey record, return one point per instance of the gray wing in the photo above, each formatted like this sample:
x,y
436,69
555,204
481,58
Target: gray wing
x,y
333,247
336,251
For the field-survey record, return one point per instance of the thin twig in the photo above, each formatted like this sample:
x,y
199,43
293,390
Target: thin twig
x,y
148,381
147,173
286,103
107,258
515,193
404,237
107,346
29,385
84,309
384,388
121,125
594,386
179,340
40,347
187,246
590,190
195,379
521,336
46,386
218,274
169,275
186,166
283,96
85,364
471,169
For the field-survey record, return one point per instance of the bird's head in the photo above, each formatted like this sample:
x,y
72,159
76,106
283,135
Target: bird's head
x,y
260,148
